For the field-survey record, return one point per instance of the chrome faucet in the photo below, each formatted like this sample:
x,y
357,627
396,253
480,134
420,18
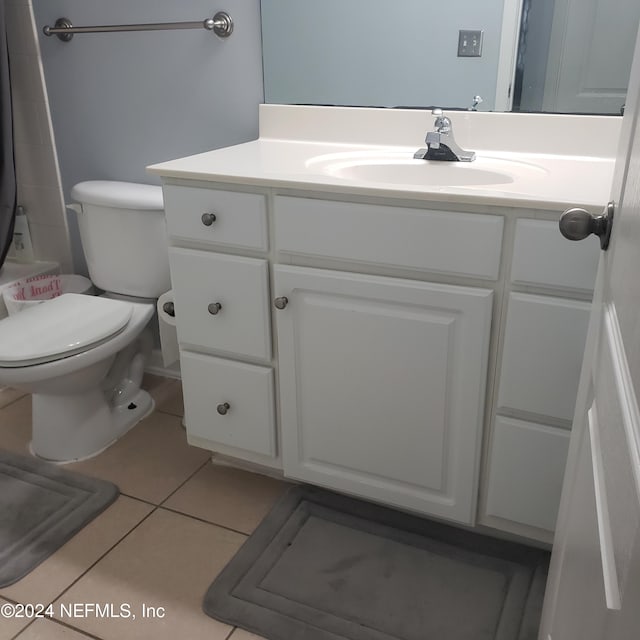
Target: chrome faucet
x,y
440,143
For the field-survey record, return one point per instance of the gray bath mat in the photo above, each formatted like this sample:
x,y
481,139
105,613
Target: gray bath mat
x,y
41,507
326,567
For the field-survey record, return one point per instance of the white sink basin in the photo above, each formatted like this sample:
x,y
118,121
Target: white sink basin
x,y
399,167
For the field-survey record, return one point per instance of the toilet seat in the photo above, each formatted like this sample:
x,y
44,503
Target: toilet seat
x,y
62,327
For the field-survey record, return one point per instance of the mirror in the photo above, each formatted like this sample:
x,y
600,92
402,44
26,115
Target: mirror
x,y
560,56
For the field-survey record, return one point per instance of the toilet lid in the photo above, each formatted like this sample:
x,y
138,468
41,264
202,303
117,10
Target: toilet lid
x,y
60,327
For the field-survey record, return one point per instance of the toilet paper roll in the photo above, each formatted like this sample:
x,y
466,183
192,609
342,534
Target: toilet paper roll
x,y
165,308
167,326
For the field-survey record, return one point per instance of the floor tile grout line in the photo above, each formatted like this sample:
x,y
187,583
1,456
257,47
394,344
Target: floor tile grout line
x,y
12,402
183,513
169,413
107,552
68,626
177,511
17,636
56,621
143,500
202,466
65,624
204,521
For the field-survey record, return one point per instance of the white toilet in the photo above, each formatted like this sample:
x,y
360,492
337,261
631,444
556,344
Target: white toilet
x,y
82,357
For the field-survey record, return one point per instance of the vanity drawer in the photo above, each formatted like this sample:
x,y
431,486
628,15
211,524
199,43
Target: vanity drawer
x,y
526,471
541,256
248,422
202,280
542,358
426,240
240,218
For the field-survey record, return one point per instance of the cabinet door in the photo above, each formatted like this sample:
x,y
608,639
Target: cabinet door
x,y
382,386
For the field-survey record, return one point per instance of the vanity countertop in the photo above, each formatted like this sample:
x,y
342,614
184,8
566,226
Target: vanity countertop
x,y
542,161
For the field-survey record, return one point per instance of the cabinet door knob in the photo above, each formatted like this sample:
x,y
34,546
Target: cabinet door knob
x,y
214,308
223,408
208,219
169,308
281,303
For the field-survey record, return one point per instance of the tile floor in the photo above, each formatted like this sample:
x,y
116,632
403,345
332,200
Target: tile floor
x,y
178,521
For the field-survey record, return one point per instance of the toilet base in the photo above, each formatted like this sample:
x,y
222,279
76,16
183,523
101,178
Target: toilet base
x,y
76,427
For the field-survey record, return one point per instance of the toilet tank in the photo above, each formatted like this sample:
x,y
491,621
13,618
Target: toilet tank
x,y
124,236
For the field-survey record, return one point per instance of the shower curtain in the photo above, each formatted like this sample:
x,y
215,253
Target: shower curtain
x,y
7,166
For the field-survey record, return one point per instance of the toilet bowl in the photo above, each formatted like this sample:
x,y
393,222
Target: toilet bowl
x,y
82,357
61,352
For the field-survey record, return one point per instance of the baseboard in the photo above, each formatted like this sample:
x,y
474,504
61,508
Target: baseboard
x,y
156,367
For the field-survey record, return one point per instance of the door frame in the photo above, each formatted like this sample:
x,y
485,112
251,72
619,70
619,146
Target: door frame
x,y
509,37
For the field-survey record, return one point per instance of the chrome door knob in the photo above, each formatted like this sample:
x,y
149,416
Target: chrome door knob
x,y
223,408
281,303
208,219
214,308
578,224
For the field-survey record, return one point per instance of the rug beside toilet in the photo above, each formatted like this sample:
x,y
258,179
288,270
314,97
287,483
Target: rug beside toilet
x,y
41,507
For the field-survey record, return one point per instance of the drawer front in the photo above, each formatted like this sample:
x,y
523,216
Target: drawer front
x,y
240,286
230,403
440,241
542,357
240,218
541,256
526,471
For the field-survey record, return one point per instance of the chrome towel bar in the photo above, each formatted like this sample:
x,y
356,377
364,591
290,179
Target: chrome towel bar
x,y
221,24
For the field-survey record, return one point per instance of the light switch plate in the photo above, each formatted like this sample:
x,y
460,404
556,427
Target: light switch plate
x,y
469,44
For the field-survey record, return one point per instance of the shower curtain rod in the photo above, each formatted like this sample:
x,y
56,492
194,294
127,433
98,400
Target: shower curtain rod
x,y
221,24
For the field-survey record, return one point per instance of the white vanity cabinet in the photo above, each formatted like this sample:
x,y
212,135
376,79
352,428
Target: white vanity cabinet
x,y
418,356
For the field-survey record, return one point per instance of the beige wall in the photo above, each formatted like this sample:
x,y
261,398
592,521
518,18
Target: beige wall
x,y
39,190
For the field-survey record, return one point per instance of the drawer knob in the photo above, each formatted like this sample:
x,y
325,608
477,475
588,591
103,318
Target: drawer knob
x,y
223,408
281,303
208,219
169,308
214,308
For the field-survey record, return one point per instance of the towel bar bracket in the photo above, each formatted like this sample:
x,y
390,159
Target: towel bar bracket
x,y
221,24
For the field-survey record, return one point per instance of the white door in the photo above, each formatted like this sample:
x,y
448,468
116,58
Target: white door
x,y
594,583
590,55
382,386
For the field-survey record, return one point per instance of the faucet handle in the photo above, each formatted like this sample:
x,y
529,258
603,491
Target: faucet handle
x,y
442,123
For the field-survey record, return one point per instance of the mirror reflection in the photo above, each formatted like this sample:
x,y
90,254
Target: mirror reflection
x,y
560,56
